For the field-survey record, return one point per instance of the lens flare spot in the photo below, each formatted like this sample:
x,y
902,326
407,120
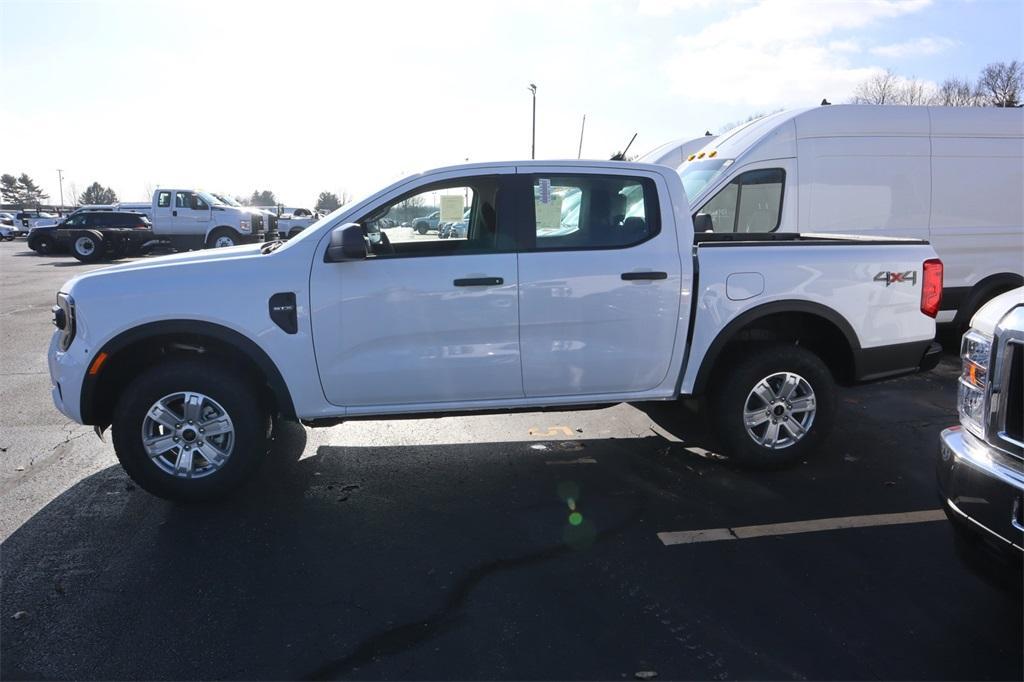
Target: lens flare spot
x,y
575,518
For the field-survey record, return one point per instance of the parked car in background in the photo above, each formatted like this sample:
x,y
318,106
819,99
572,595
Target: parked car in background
x,y
952,175
427,223
42,241
981,461
456,230
103,235
30,219
10,227
343,323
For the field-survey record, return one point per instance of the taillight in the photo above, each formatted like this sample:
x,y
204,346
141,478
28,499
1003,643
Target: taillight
x,y
931,287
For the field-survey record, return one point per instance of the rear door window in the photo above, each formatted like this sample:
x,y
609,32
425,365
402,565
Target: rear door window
x,y
163,200
592,212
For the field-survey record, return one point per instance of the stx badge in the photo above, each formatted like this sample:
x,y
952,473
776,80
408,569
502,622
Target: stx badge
x,y
909,276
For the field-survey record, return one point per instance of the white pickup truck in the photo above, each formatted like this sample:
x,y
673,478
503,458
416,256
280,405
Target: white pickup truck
x,y
625,303
193,219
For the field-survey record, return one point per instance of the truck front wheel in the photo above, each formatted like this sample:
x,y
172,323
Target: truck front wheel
x,y
222,237
88,247
189,430
773,407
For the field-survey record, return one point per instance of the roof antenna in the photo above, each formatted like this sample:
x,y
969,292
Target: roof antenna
x,y
621,156
707,133
582,126
825,103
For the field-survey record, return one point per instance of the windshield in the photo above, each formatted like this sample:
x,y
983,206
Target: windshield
x,y
697,175
224,199
210,199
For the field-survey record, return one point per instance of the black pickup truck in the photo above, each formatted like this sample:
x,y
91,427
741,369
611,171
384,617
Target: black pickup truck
x,y
95,236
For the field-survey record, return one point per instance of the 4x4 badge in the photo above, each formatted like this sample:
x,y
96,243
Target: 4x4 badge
x,y
909,276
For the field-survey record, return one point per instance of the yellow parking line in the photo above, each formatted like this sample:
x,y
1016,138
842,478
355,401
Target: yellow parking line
x,y
685,537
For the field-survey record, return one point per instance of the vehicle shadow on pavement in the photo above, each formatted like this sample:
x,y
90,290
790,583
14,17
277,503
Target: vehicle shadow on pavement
x,y
530,559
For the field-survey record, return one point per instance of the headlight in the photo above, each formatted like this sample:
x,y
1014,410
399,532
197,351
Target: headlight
x,y
975,352
64,319
244,226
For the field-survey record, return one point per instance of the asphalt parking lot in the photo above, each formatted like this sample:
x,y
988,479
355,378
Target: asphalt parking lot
x,y
529,546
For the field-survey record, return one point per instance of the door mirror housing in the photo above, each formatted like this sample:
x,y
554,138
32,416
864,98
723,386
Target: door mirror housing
x,y
702,223
347,243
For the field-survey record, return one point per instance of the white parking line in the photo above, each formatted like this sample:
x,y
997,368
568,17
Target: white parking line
x,y
685,537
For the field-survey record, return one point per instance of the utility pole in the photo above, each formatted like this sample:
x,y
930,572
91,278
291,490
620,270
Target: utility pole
x,y
60,181
533,133
582,127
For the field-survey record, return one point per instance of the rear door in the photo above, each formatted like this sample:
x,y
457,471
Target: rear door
x,y
163,222
600,282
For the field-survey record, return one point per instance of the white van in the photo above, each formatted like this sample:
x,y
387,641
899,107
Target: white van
x,y
952,175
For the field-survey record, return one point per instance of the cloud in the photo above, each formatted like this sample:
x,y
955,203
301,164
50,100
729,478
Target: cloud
x,y
919,47
780,52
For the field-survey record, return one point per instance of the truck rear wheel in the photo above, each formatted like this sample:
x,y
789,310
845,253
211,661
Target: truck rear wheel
x,y
773,407
88,246
189,430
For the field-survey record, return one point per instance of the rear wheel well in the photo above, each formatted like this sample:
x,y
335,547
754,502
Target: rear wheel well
x,y
813,332
123,365
981,293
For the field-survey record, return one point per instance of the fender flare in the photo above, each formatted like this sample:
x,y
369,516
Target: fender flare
x,y
246,346
744,319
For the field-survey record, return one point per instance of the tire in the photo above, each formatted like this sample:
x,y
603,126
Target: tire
x,y
118,249
751,384
421,228
44,245
223,237
88,246
220,398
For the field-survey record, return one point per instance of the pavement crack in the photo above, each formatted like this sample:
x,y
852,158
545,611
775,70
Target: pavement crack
x,y
407,635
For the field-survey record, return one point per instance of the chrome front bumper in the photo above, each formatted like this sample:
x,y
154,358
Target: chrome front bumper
x,y
982,486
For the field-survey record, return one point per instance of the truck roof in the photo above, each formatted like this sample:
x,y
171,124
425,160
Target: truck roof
x,y
862,120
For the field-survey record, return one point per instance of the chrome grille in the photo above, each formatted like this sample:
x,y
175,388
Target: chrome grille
x,y
1006,385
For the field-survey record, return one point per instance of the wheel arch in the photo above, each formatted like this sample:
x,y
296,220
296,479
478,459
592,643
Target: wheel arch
x,y
982,291
137,348
818,327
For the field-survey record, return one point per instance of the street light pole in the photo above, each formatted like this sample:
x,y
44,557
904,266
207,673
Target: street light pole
x,y
60,181
533,130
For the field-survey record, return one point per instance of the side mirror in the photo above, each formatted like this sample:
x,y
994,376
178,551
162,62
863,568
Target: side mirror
x,y
702,223
347,243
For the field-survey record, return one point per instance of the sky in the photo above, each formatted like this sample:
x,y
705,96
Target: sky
x,y
302,97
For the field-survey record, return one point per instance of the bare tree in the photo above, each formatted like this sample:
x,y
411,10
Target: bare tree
x,y
882,88
913,92
956,92
1000,83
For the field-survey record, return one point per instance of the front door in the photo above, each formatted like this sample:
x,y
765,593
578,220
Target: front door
x,y
163,212
423,319
600,282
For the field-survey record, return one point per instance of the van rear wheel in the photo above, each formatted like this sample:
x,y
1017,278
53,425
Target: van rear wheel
x,y
190,430
774,407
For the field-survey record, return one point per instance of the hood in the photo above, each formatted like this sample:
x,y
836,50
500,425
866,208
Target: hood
x,y
986,319
173,260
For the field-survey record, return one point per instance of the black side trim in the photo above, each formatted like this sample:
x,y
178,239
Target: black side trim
x,y
884,362
192,327
746,318
722,239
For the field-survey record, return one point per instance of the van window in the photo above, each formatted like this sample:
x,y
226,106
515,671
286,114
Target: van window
x,y
752,202
183,199
163,200
593,211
